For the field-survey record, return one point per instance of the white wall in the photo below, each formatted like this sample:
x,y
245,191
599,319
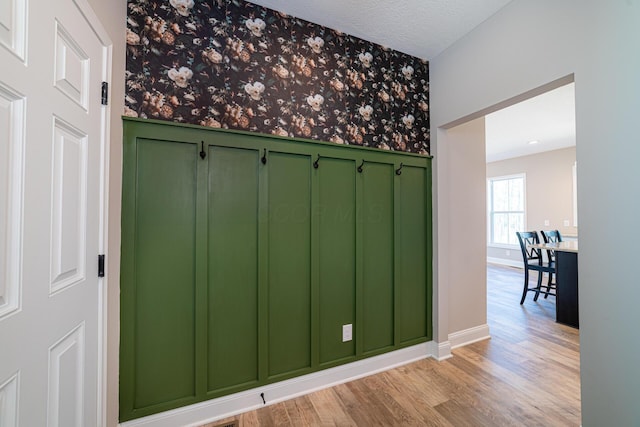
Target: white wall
x,y
526,45
467,224
113,15
549,193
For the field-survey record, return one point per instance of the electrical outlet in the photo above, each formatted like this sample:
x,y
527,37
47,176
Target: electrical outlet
x,y
546,222
566,222
347,333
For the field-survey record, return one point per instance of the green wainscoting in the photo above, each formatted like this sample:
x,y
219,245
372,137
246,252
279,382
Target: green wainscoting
x,y
232,311
243,255
411,270
377,262
289,287
335,214
162,266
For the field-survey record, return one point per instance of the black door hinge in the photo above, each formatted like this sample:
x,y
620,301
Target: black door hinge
x,y
105,93
100,265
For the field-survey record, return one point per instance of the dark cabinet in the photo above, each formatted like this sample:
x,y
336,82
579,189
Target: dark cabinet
x,y
244,255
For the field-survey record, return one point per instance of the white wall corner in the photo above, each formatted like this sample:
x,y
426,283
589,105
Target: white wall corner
x,y
469,336
441,350
228,406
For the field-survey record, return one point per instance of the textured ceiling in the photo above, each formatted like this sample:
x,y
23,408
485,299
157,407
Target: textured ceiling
x,y
421,28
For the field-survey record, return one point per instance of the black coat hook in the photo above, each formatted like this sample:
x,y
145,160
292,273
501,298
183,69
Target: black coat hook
x,y
315,164
264,157
360,167
399,170
203,154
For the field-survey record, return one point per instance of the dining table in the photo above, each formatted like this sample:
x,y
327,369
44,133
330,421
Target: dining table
x,y
566,265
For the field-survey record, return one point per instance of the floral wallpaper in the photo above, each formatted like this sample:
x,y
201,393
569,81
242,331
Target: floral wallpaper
x,y
236,65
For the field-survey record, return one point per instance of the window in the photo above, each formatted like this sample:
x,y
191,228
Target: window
x,y
506,209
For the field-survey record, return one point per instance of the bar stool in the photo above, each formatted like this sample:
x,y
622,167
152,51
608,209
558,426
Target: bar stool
x,y
532,258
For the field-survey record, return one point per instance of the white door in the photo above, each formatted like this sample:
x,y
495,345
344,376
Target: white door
x,y
52,127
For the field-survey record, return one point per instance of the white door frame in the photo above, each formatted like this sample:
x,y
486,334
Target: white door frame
x,y
103,234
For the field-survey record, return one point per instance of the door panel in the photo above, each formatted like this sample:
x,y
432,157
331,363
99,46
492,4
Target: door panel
x,y
66,380
412,288
377,256
51,168
9,401
336,216
289,306
233,267
69,206
71,76
13,26
12,121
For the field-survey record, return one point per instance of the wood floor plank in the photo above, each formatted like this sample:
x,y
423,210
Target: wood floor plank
x,y
486,388
358,398
280,414
527,374
331,410
407,388
301,412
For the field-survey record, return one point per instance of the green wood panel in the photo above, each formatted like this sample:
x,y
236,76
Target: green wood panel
x,y
164,272
289,309
377,256
233,267
190,226
335,214
412,255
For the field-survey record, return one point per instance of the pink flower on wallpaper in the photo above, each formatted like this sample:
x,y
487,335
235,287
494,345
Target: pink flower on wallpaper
x,y
182,6
180,77
408,120
316,44
366,59
254,90
256,26
366,112
315,101
407,71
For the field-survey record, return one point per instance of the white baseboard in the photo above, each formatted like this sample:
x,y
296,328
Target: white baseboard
x,y
441,351
249,400
469,336
503,261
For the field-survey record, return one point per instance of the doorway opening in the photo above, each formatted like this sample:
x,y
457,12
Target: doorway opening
x,y
531,164
464,215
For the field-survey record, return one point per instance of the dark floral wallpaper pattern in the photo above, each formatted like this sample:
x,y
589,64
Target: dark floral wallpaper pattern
x,y
236,65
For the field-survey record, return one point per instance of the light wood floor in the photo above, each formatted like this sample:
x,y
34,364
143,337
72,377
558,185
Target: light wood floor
x,y
527,374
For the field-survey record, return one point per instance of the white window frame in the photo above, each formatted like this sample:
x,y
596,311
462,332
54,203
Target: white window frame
x,y
574,171
490,243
